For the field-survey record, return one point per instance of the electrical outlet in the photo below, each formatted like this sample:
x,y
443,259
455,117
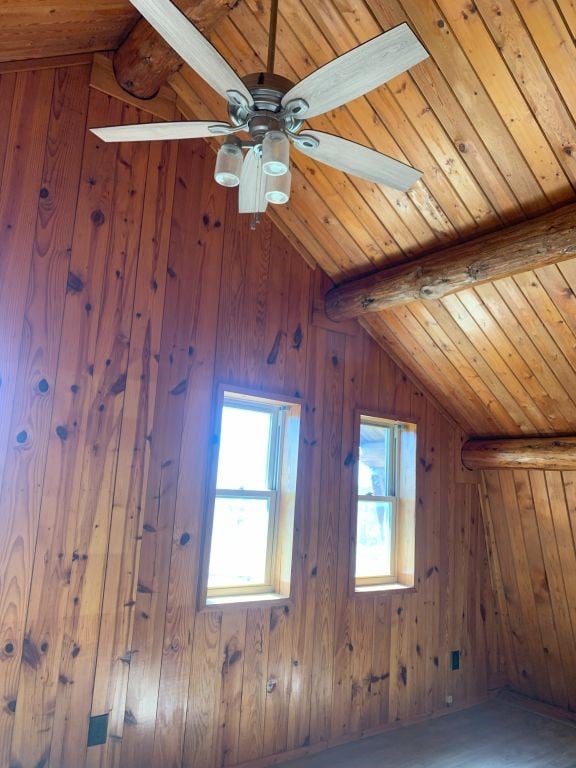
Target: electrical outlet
x,y
449,700
98,730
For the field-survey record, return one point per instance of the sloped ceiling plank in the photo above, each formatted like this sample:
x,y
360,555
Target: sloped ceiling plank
x,y
522,57
35,30
433,27
509,100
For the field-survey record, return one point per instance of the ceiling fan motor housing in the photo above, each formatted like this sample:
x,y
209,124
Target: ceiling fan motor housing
x,y
267,112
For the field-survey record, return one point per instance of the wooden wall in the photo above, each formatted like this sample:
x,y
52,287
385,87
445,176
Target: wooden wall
x,y
128,287
530,518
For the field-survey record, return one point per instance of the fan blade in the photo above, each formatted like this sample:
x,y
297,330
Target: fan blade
x,y
192,46
251,197
357,72
162,131
353,158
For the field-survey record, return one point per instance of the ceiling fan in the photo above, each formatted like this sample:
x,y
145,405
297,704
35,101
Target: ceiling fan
x,y
271,109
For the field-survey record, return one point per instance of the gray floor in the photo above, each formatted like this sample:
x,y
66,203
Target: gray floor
x,y
493,734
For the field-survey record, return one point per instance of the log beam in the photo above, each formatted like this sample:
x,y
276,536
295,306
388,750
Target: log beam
x,y
521,453
144,61
549,239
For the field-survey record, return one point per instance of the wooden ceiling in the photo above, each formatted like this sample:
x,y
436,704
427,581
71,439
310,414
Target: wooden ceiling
x,y
44,28
490,120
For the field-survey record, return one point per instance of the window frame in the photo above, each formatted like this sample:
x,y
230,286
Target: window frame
x,y
370,581
281,520
404,506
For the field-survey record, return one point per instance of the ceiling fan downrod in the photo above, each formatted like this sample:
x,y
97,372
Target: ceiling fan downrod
x,y
272,36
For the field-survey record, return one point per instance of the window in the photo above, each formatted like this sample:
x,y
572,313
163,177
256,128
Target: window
x,y
385,504
252,504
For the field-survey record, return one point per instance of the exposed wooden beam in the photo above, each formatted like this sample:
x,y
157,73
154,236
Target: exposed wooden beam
x,y
546,240
163,105
144,61
521,453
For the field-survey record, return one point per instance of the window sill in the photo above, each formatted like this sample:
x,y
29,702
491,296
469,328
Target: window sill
x,y
395,587
261,600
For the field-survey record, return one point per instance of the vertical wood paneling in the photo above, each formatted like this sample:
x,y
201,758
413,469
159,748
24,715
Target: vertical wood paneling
x,y
114,647
70,558
178,349
204,272
97,456
25,149
7,85
164,293
330,444
36,373
203,724
254,688
530,516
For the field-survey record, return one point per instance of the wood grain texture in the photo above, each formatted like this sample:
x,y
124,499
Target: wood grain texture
x,y
36,368
487,120
530,516
554,453
103,79
155,290
490,119
35,30
120,590
547,240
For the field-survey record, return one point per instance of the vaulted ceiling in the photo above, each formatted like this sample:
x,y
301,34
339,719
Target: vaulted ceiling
x,y
490,120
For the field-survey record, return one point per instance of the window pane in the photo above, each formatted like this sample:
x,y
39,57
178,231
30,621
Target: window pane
x,y
374,539
375,468
244,449
239,542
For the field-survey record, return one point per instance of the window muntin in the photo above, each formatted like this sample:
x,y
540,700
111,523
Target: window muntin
x,y
385,504
248,549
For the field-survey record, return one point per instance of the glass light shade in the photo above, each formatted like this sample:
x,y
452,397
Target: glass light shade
x,y
275,153
278,189
228,165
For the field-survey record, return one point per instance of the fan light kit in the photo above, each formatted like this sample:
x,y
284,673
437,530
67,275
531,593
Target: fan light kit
x,y
271,110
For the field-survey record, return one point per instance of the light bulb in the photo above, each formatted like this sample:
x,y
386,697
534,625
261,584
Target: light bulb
x,y
228,165
278,189
275,153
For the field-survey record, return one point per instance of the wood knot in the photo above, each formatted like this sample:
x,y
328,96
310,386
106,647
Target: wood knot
x,y
74,283
97,217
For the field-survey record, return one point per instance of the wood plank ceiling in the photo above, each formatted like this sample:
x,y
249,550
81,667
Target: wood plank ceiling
x,y
62,27
490,120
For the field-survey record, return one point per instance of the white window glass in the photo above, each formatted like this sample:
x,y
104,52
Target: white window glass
x,y
244,456
374,539
376,467
239,542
